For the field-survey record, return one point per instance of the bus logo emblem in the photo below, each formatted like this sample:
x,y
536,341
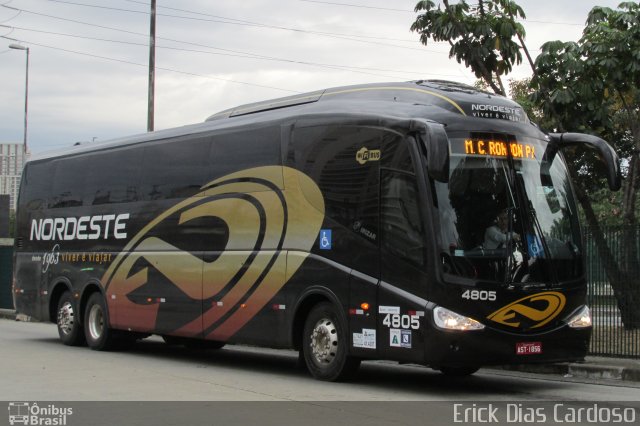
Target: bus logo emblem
x,y
364,155
270,220
538,309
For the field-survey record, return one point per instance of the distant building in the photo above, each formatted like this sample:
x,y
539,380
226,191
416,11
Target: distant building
x,y
12,159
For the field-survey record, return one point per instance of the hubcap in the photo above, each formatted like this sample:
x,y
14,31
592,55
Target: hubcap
x,y
324,341
66,318
96,322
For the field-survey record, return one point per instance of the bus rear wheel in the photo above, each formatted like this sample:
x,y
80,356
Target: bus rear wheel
x,y
68,321
96,325
324,345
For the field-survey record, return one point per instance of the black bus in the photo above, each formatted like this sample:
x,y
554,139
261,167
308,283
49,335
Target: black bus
x,y
422,222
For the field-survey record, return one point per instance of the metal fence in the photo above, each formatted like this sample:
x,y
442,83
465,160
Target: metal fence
x,y
611,337
6,260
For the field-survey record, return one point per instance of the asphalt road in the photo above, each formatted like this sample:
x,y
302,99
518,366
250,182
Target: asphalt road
x,y
265,386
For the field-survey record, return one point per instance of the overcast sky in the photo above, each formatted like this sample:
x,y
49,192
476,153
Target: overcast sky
x,y
89,80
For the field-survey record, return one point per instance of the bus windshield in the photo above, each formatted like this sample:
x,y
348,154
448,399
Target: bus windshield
x,y
505,216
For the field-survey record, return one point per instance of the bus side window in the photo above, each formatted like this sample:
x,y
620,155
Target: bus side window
x,y
402,231
233,152
175,169
36,185
68,183
114,176
344,161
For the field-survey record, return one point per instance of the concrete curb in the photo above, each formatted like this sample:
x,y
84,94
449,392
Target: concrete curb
x,y
8,314
595,368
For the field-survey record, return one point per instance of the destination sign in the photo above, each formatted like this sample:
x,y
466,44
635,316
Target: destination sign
x,y
497,148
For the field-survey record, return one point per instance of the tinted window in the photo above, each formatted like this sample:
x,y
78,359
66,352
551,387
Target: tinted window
x,y
233,152
344,162
113,176
397,153
68,182
175,169
36,185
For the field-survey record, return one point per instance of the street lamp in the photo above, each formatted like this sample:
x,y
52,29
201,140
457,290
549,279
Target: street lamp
x,y
26,90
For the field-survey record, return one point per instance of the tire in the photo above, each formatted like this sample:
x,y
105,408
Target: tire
x,y
325,344
96,325
458,371
68,321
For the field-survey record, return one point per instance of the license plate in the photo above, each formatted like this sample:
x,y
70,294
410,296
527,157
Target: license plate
x,y
528,348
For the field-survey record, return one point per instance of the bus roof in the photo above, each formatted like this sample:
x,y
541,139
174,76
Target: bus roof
x,y
437,100
456,97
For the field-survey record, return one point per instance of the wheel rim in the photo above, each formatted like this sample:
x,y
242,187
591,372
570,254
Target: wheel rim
x,y
66,318
96,322
324,342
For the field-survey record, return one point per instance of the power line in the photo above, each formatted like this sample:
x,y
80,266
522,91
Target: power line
x,y
357,5
130,43
146,66
349,37
12,18
362,6
234,53
279,27
355,69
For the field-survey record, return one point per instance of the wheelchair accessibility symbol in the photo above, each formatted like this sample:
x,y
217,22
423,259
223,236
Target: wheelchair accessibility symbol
x,y
325,239
535,246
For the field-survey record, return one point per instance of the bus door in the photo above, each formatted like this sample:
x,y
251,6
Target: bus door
x,y
402,259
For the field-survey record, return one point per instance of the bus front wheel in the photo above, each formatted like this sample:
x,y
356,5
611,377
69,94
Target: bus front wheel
x,y
324,345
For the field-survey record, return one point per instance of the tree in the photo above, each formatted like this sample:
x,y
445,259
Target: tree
x,y
481,36
593,86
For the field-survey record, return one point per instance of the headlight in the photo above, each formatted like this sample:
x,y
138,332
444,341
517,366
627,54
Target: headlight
x,y
449,320
582,319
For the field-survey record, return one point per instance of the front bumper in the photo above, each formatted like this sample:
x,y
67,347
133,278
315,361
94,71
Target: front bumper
x,y
496,347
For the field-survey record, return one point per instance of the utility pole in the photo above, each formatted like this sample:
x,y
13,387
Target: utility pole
x,y
152,67
26,91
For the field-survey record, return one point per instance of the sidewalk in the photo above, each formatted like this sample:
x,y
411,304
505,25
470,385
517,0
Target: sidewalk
x,y
7,314
592,368
11,315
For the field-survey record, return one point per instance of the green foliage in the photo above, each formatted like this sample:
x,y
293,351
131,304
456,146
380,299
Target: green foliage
x,y
521,92
481,35
607,207
593,86
583,84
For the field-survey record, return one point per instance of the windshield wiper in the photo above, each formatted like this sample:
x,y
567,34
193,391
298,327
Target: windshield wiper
x,y
512,185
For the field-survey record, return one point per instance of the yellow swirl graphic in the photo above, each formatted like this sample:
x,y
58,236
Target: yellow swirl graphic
x,y
507,315
267,212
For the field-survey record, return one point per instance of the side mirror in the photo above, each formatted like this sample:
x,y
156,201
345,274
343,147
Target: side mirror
x,y
606,153
435,143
